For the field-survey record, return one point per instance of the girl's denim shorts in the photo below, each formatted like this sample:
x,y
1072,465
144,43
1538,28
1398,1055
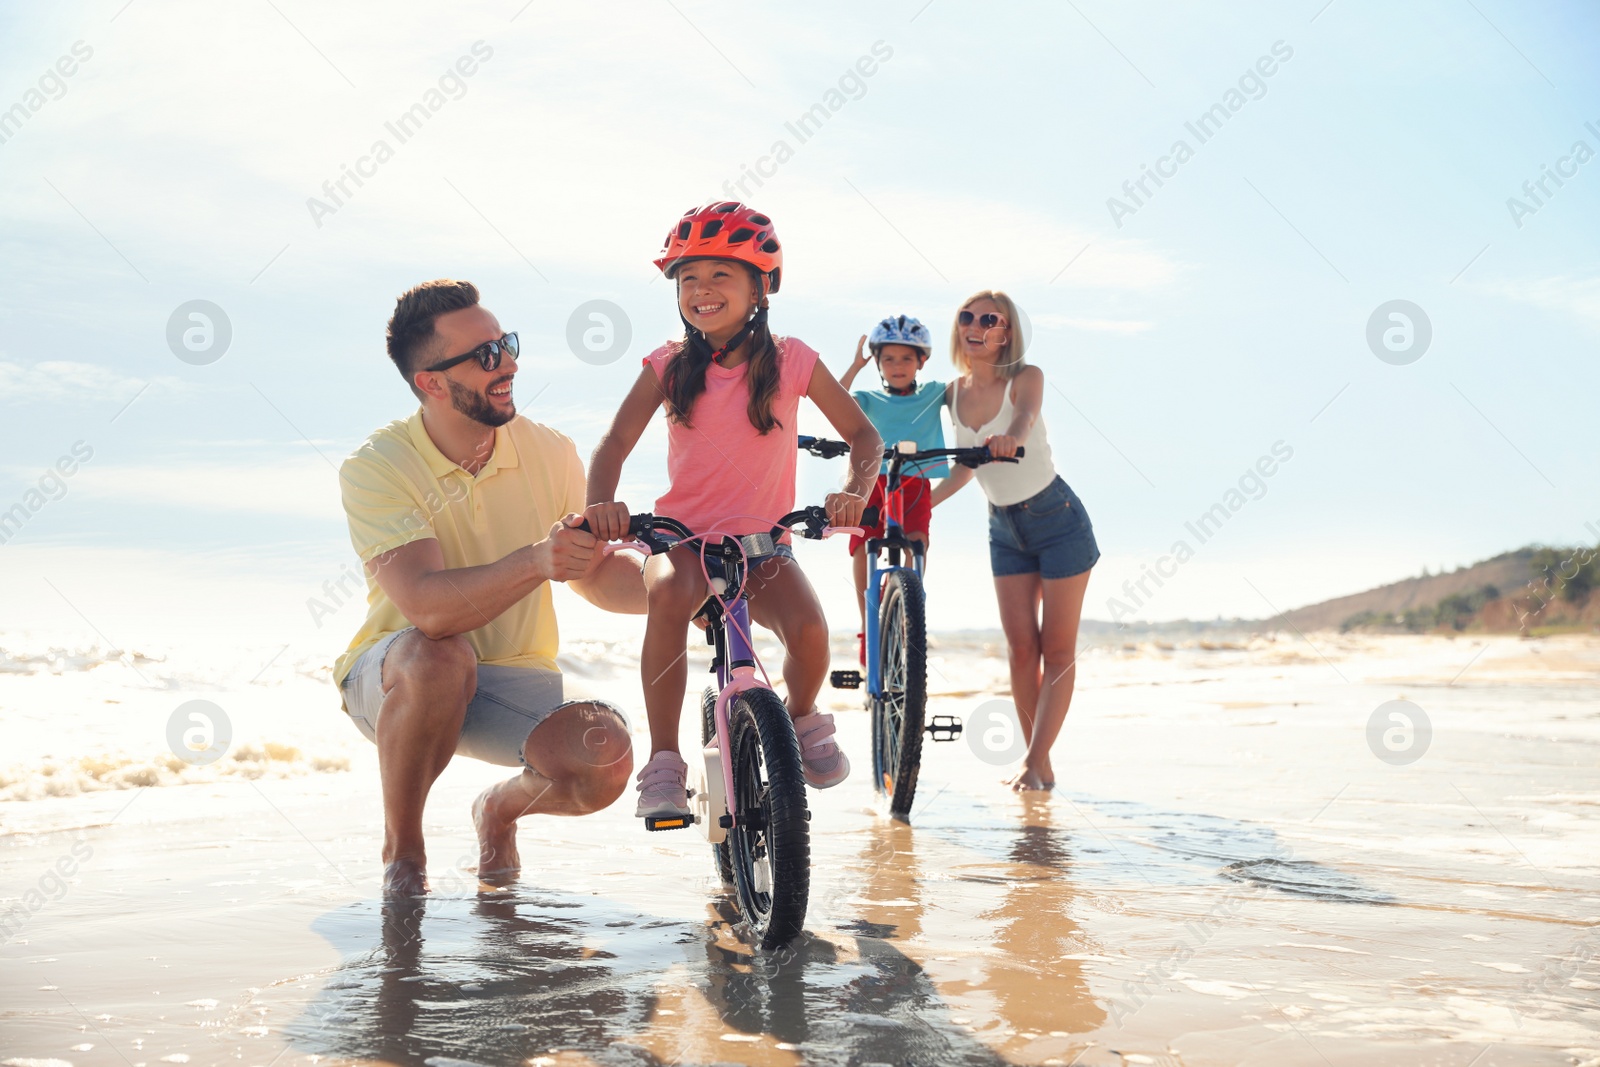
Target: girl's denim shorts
x,y
1048,534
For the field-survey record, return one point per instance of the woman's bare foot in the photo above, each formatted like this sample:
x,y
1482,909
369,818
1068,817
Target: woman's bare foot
x,y
406,877
1031,780
494,815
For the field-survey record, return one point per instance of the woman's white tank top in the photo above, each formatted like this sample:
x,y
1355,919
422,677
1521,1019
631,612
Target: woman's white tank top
x,y
1007,483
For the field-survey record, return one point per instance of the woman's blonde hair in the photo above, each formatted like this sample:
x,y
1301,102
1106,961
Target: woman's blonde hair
x,y
1010,362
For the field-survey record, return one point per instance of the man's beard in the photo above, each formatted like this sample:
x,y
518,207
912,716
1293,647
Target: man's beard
x,y
477,406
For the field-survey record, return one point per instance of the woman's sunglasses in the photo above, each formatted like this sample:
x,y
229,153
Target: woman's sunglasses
x,y
988,320
487,354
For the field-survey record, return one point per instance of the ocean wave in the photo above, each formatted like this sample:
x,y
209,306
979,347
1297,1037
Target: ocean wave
x,y
56,659
119,770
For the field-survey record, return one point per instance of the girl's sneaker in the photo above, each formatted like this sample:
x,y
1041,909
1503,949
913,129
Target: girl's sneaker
x,y
662,789
821,762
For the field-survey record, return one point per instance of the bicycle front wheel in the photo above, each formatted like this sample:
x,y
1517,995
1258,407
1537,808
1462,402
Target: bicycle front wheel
x,y
770,844
897,714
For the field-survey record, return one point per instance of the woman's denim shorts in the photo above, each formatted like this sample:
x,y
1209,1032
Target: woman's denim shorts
x,y
1047,534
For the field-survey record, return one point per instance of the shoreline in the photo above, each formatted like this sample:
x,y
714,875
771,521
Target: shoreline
x,y
1226,875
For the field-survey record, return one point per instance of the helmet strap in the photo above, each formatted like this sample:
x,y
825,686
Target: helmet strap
x,y
758,319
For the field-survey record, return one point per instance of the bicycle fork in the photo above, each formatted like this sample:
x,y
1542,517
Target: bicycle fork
x,y
736,673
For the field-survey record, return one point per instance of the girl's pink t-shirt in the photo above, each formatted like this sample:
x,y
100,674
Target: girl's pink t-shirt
x,y
720,466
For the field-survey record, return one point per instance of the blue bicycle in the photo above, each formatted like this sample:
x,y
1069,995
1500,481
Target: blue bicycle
x,y
896,628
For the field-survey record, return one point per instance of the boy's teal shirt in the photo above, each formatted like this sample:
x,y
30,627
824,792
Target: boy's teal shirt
x,y
914,417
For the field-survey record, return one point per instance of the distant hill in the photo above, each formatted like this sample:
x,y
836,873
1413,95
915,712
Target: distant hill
x,y
1532,588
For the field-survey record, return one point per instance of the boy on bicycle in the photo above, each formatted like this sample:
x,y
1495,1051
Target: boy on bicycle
x,y
903,410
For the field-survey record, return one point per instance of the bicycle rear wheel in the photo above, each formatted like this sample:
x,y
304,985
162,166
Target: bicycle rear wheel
x,y
770,844
897,715
708,733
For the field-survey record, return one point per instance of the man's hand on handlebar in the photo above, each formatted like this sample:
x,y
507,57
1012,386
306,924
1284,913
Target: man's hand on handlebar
x,y
844,509
608,521
568,552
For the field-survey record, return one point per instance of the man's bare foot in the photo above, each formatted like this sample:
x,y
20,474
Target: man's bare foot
x,y
495,815
1031,780
405,877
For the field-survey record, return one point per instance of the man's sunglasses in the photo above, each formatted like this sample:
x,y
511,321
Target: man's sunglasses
x,y
988,320
487,354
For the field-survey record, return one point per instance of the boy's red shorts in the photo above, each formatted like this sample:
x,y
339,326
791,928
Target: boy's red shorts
x,y
916,502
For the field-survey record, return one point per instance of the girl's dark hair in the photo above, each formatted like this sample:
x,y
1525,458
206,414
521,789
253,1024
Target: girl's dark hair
x,y
685,376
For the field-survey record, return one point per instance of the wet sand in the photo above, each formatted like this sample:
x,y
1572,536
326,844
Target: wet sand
x,y
1227,874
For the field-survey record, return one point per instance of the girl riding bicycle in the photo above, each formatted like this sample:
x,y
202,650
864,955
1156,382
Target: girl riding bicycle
x,y
904,410
731,392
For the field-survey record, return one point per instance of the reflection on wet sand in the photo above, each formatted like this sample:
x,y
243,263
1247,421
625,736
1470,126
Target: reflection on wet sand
x,y
1027,996
854,995
959,941
515,976
500,979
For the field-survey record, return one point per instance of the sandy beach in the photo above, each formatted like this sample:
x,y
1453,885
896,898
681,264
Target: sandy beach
x,y
1227,874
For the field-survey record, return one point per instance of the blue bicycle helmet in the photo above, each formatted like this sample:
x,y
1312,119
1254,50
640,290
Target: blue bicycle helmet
x,y
900,330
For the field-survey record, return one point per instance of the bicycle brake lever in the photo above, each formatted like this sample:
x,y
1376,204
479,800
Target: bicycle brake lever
x,y
816,523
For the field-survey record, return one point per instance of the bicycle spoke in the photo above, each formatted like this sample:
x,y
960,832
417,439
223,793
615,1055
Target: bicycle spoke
x,y
894,695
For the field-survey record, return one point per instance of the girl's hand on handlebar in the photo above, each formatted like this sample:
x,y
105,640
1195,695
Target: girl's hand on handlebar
x,y
608,521
1001,446
844,509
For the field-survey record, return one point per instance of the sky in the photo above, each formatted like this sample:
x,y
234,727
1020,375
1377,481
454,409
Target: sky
x,y
1356,155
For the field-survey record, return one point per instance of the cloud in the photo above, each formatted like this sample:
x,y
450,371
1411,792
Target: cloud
x,y
1068,322
926,234
301,485
62,379
1579,297
268,153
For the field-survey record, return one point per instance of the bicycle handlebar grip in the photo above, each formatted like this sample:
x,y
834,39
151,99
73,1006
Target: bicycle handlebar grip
x,y
871,516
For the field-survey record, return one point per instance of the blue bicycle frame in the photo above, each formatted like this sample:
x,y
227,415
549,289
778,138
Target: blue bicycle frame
x,y
875,574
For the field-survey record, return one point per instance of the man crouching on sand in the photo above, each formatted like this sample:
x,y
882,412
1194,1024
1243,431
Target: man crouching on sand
x,y
458,651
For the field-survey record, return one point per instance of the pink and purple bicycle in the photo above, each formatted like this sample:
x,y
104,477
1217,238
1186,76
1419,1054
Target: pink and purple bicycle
x,y
747,795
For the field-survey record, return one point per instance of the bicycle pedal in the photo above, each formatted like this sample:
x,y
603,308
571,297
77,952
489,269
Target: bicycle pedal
x,y
944,728
668,822
845,679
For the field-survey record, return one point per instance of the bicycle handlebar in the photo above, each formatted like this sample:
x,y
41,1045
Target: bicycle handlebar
x,y
975,456
822,446
645,530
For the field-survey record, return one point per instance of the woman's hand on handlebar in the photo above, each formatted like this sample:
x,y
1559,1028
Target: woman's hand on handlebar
x,y
844,509
608,521
1001,446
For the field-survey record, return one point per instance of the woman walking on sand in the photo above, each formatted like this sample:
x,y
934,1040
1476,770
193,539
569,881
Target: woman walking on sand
x,y
1041,543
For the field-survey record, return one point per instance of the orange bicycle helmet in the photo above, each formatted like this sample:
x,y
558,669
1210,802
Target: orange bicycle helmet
x,y
725,229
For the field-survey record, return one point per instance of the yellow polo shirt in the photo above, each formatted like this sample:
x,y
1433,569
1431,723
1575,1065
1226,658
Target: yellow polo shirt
x,y
398,488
